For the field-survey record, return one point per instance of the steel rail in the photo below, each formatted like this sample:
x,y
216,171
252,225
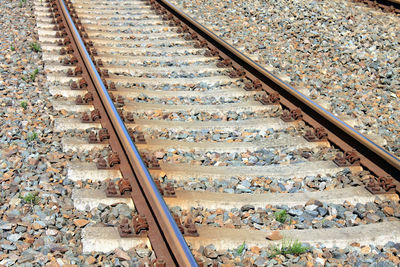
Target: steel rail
x,y
394,3
167,233
372,156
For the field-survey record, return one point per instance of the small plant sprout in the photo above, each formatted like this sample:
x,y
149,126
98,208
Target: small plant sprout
x,y
33,74
288,247
35,47
24,105
31,198
281,216
32,136
12,48
241,248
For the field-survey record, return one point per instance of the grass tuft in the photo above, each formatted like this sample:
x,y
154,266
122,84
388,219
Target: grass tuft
x,y
35,47
281,216
31,198
32,136
33,74
241,248
24,105
288,247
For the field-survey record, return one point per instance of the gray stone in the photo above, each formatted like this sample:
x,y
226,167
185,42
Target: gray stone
x,y
6,226
8,247
322,211
373,218
311,213
14,237
20,229
295,212
311,207
143,252
327,224
260,261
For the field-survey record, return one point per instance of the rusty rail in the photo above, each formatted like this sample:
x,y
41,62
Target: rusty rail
x,y
165,237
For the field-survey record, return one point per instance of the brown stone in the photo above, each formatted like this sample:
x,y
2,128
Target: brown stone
x,y
355,244
52,264
90,260
388,211
33,161
255,250
80,222
314,202
394,259
37,226
365,249
122,255
274,235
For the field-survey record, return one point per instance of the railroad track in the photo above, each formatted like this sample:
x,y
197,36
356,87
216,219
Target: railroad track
x,y
223,140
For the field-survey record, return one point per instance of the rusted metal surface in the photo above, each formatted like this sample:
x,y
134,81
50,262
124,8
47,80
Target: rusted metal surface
x,y
154,219
314,135
120,189
381,185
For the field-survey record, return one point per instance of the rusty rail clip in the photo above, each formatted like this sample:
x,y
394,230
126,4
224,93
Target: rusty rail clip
x,y
113,159
200,44
349,158
224,63
293,115
317,134
136,136
93,138
381,185
139,227
169,190
253,85
212,52
103,134
120,189
271,99
240,72
190,228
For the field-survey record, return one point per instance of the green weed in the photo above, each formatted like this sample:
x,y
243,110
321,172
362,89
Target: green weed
x,y
241,248
288,247
33,74
35,47
24,105
12,48
31,198
32,136
281,215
